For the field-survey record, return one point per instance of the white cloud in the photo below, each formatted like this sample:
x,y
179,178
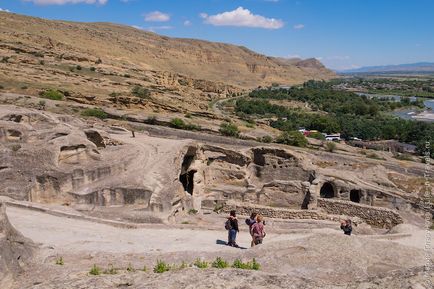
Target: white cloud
x,y
157,16
4,10
242,18
298,26
187,23
61,2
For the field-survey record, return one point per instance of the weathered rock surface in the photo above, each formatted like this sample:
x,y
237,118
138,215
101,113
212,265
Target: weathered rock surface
x,y
15,250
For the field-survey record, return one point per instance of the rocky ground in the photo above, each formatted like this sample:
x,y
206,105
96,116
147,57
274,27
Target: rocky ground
x,y
295,254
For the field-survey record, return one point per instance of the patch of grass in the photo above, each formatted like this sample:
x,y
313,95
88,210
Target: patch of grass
x,y
24,87
95,270
111,270
59,261
145,269
253,265
185,222
181,124
200,264
94,112
183,265
52,94
161,267
374,156
229,129
15,147
219,263
192,212
140,92
403,157
130,268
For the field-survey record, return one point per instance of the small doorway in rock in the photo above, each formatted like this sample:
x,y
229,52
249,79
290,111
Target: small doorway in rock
x,y
327,191
187,181
355,196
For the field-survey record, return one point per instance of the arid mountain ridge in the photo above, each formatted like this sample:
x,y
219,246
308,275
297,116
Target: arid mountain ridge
x,y
116,50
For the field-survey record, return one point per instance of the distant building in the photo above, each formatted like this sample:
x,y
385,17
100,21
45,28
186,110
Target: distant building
x,y
332,137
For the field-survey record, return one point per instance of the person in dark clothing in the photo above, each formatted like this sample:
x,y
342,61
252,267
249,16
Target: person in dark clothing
x,y
346,227
250,222
232,227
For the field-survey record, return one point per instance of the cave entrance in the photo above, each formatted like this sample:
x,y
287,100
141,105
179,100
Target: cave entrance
x,y
186,176
187,181
327,191
355,196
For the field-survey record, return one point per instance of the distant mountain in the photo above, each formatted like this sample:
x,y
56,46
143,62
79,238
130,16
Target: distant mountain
x,y
420,67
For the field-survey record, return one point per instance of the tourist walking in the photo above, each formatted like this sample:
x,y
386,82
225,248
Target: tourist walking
x,y
346,227
250,222
258,230
232,226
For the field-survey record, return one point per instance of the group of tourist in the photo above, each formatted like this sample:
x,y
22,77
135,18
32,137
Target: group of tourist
x,y
256,225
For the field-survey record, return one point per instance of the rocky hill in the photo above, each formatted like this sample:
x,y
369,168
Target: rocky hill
x,y
100,58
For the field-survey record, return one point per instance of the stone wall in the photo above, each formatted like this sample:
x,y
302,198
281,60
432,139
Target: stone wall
x,y
375,216
270,212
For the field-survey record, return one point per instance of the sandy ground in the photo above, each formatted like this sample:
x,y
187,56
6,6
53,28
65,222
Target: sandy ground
x,y
78,235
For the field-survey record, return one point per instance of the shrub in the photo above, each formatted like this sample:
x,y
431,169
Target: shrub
x,y
140,92
192,212
1,86
59,261
98,61
374,156
220,263
180,124
145,269
24,87
161,267
177,123
330,147
111,270
95,270
114,94
293,138
5,59
200,264
94,112
52,94
41,62
317,135
229,129
266,139
92,68
152,120
127,75
78,67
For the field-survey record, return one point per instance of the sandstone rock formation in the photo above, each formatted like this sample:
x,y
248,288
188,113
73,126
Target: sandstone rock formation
x,y
15,250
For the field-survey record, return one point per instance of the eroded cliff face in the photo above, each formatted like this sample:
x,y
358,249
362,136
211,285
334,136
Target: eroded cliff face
x,y
15,250
50,158
99,63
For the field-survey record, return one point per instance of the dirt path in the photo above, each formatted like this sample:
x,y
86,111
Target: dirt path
x,y
77,235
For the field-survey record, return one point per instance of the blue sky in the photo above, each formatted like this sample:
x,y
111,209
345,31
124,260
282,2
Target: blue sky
x,y
341,33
